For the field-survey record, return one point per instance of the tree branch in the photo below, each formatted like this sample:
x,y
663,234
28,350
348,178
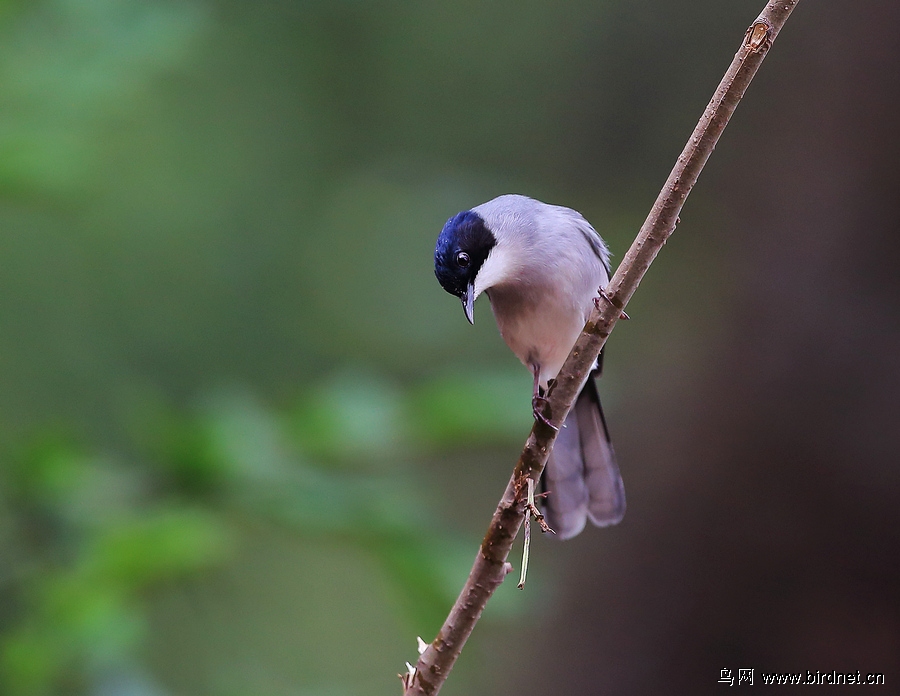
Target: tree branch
x,y
490,566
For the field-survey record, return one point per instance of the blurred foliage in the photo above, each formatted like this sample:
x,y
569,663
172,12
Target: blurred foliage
x,y
90,536
86,541
68,69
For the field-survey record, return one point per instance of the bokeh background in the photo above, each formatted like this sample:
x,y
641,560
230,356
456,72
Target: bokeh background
x,y
249,446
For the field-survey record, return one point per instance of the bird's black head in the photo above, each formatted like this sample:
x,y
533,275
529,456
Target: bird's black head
x,y
462,248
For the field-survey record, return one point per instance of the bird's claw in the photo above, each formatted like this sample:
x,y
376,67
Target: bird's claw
x,y
604,296
537,408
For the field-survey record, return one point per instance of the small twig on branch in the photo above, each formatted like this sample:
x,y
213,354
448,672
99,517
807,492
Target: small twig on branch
x,y
535,512
490,567
526,545
531,510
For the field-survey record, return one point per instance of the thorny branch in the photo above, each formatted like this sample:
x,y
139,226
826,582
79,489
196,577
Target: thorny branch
x,y
437,659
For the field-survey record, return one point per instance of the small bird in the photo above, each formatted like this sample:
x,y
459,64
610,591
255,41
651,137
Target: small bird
x,y
542,266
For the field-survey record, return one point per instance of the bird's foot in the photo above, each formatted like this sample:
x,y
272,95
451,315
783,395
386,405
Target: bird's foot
x,y
604,296
537,408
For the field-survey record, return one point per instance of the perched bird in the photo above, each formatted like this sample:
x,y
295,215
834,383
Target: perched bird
x,y
541,266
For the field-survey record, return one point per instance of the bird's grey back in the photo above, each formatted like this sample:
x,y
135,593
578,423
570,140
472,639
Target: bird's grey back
x,y
533,227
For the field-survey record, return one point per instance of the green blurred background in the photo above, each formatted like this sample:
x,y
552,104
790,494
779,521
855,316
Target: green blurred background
x,y
249,446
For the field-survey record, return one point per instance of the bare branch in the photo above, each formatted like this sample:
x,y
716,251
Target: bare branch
x,y
490,564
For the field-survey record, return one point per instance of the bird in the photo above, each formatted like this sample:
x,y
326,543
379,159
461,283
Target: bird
x,y
542,266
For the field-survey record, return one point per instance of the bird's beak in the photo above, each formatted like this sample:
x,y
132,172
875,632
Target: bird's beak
x,y
468,303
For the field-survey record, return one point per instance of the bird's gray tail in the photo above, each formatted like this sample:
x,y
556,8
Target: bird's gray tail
x,y
582,477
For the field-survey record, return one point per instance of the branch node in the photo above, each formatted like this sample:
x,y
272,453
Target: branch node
x,y
758,35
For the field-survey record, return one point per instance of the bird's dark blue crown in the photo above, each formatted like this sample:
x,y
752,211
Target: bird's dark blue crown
x,y
464,232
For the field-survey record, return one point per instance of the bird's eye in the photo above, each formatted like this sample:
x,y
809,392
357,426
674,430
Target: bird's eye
x,y
462,260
